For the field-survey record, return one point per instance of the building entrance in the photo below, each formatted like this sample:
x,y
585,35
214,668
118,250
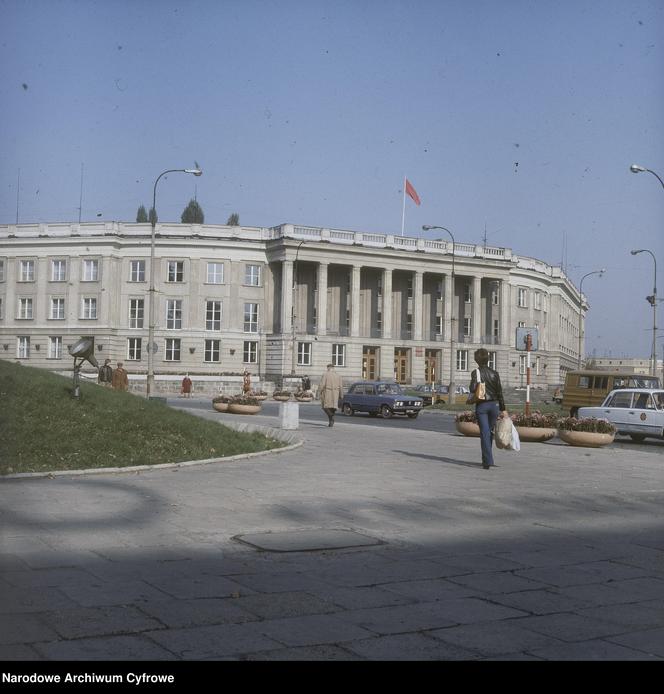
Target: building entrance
x,y
369,363
431,358
401,365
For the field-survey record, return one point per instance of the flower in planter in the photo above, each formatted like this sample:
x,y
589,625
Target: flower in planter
x,y
535,419
467,416
282,393
304,394
590,424
258,393
244,400
222,398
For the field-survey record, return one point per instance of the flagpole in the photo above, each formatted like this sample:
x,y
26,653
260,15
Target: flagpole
x,y
403,210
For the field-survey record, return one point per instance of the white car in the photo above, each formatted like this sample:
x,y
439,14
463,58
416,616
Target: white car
x,y
636,412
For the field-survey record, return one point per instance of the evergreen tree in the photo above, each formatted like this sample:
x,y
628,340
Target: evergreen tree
x,y
193,213
152,217
142,215
233,220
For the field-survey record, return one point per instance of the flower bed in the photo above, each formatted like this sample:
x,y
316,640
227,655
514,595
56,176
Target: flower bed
x,y
589,431
466,423
535,427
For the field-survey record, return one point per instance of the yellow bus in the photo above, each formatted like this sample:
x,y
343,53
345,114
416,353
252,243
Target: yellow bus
x,y
588,388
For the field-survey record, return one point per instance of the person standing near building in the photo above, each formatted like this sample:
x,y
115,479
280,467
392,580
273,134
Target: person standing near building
x,y
488,410
185,389
329,392
246,382
105,376
120,378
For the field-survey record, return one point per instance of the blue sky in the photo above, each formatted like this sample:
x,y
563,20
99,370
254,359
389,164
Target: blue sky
x,y
518,117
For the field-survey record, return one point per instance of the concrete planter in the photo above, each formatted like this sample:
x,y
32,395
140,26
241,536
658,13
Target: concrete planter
x,y
282,398
235,408
468,428
305,399
220,406
535,434
589,439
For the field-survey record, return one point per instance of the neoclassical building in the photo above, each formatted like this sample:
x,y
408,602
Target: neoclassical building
x,y
281,301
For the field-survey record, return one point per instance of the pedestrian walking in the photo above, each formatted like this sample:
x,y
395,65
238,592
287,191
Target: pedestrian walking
x,y
246,382
120,378
492,406
105,375
329,392
185,389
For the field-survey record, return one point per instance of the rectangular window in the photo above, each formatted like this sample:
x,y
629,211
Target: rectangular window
x,y
252,275
467,293
251,318
215,273
137,271
409,286
88,308
537,298
58,270
379,321
495,296
212,350
522,364
90,271
2,270
462,360
439,325
22,347
522,298
134,349
521,324
250,352
136,312
55,348
175,271
304,353
1,314
496,327
26,271
174,314
58,308
339,355
467,324
172,350
25,309
492,360
213,315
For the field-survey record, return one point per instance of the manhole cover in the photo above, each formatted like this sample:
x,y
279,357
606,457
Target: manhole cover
x,y
307,540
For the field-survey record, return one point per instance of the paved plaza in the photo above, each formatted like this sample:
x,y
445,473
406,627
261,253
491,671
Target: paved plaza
x,y
364,543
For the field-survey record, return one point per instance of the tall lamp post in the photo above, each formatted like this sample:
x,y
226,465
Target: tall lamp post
x,y
594,272
151,316
652,300
452,386
293,315
635,168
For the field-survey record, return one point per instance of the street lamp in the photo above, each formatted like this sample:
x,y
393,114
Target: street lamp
x,y
635,168
452,387
653,301
293,316
150,382
594,272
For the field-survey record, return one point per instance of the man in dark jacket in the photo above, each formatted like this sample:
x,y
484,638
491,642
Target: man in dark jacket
x,y
105,377
488,410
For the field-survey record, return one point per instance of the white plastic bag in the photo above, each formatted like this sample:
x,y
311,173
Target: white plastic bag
x,y
515,444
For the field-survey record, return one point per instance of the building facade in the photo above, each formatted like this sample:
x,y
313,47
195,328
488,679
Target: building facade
x,y
281,301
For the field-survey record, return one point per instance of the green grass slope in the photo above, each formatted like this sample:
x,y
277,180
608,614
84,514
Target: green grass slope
x,y
42,428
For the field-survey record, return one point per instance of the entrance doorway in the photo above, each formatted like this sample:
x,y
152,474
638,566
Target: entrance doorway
x,y
431,357
369,363
401,365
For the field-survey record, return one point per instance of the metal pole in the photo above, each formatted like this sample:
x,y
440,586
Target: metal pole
x,y
150,379
293,315
594,272
529,345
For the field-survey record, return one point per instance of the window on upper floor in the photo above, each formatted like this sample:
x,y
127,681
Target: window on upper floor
x,y
215,273
173,314
26,271
252,275
137,271
213,315
90,270
522,298
25,309
58,270
175,271
57,308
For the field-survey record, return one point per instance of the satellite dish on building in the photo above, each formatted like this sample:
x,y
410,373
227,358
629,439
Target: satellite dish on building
x,y
83,350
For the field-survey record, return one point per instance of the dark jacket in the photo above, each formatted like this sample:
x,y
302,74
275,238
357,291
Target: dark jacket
x,y
105,374
491,380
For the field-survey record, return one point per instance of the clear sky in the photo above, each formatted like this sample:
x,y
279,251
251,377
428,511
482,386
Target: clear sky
x,y
518,117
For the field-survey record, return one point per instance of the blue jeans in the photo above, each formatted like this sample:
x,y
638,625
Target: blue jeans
x,y
487,414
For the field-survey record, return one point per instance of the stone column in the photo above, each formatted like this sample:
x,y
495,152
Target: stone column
x,y
286,296
417,304
505,328
355,301
447,308
477,327
387,303
321,307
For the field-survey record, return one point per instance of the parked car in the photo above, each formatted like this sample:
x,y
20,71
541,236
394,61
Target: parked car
x,y
636,412
380,397
426,391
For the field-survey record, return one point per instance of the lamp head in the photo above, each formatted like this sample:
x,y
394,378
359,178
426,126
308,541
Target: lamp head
x,y
635,168
196,172
426,227
634,252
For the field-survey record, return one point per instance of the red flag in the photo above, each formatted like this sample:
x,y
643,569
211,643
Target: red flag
x,y
412,192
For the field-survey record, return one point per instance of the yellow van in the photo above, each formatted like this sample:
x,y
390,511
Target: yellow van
x,y
588,388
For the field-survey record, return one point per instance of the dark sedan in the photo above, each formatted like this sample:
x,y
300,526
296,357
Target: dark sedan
x,y
380,397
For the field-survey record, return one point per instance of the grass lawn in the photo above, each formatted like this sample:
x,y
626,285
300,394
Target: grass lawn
x,y
42,428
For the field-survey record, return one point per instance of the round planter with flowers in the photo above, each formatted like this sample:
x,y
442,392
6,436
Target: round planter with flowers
x,y
466,423
587,432
282,395
535,427
220,403
244,404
